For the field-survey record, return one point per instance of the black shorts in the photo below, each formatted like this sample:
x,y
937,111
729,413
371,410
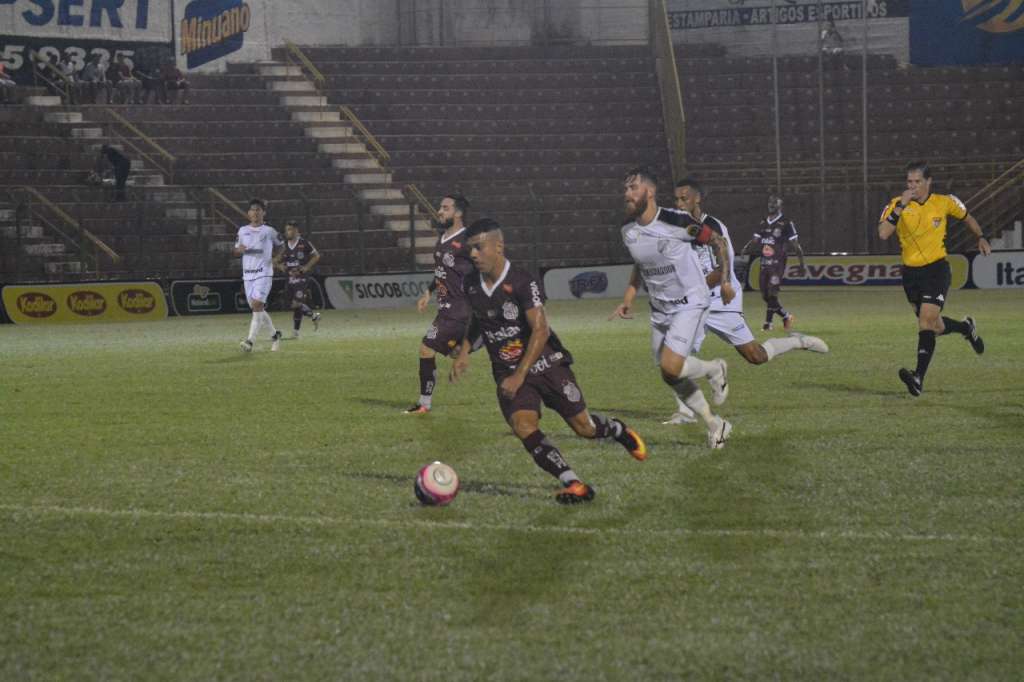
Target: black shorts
x,y
770,280
556,388
298,291
927,284
445,335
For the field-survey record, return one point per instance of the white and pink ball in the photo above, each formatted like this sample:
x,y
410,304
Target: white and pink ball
x,y
437,484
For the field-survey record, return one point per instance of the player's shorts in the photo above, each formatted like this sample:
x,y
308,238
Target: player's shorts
x,y
556,388
445,335
770,280
927,284
679,331
298,290
258,289
728,325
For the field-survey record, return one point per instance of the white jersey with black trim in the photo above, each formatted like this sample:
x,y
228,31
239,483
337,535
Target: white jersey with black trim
x,y
709,262
259,243
663,250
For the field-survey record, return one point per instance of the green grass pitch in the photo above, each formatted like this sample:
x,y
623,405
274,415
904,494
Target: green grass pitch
x,y
173,509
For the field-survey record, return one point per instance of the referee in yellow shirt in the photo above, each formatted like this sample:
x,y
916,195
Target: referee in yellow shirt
x,y
919,218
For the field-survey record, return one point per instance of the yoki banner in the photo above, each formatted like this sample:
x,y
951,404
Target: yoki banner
x,y
700,14
966,32
377,291
853,270
998,270
219,296
131,21
84,302
600,281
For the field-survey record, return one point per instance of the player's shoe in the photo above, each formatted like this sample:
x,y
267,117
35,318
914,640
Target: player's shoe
x,y
718,433
633,443
788,321
766,327
719,381
316,321
681,417
972,336
912,381
246,346
295,333
574,493
275,341
417,409
811,343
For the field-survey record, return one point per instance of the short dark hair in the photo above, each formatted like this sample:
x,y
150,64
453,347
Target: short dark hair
x,y
691,183
483,226
292,223
257,202
461,202
644,173
920,166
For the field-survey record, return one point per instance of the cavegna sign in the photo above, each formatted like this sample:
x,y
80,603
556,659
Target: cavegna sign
x,y
211,29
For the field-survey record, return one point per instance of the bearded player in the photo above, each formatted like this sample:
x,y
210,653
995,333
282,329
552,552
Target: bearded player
x,y
726,320
774,237
661,242
451,266
530,365
297,259
255,244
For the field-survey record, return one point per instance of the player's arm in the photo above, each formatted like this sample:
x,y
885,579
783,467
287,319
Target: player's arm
x,y
423,301
794,243
722,267
625,308
539,334
313,260
239,248
461,363
972,224
891,215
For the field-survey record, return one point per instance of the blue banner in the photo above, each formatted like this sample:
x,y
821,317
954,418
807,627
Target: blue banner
x,y
966,32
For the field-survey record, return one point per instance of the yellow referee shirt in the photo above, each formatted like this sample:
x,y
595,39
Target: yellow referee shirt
x,y
922,227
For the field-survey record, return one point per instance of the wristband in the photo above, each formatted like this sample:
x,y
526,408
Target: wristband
x,y
893,218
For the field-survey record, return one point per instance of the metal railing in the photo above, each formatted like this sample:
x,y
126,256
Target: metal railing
x,y
63,87
296,57
374,145
167,160
994,206
417,198
671,90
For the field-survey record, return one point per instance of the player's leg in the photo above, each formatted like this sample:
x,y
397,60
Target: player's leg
x,y
523,414
947,325
683,414
912,288
764,284
428,378
296,315
561,392
257,320
261,294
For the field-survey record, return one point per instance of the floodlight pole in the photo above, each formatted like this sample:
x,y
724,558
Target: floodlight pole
x,y
775,89
864,132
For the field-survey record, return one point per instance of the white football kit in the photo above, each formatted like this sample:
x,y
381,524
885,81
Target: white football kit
x,y
663,250
726,321
257,261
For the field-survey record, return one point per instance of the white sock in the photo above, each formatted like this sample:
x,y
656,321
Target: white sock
x,y
268,322
692,398
681,406
695,368
778,346
254,326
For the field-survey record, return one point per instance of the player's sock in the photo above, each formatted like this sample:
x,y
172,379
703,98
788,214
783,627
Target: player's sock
x,y
778,346
306,310
254,326
297,319
691,395
695,368
548,457
267,322
769,312
958,326
428,379
779,310
606,428
925,349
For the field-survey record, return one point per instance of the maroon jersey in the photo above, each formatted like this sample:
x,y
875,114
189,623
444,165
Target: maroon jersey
x,y
499,319
295,257
451,266
771,239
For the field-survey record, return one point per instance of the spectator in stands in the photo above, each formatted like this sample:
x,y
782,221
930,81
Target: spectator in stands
x,y
67,70
122,167
152,85
6,86
127,84
174,81
92,78
832,42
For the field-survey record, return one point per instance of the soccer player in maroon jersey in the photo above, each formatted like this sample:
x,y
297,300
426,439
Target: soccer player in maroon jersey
x,y
774,237
297,259
451,265
531,367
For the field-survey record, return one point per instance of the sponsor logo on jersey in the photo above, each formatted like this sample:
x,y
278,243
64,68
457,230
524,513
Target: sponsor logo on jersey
x,y
36,304
503,334
136,301
594,282
511,351
87,303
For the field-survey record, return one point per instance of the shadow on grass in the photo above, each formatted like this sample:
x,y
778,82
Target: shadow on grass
x,y
400,405
473,487
229,359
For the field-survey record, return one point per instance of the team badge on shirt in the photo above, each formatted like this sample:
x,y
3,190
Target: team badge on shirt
x,y
936,223
449,259
510,310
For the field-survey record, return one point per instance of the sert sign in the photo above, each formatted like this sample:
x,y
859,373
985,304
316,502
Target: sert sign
x,y
125,20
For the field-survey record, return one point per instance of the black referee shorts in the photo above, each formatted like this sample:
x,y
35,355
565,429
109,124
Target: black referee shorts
x,y
927,284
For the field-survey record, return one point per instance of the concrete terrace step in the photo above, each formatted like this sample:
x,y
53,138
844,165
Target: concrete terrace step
x,y
278,70
400,209
317,116
368,163
332,132
304,101
290,86
381,194
368,178
46,249
27,231
63,117
87,133
403,225
42,101
342,148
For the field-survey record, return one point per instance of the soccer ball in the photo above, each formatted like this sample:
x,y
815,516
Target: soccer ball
x,y
436,484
